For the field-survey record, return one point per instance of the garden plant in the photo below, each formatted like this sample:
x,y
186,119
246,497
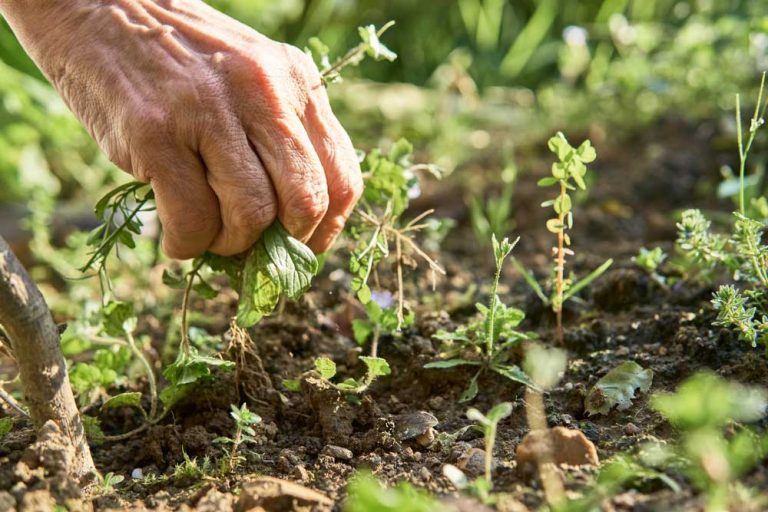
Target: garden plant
x,y
610,355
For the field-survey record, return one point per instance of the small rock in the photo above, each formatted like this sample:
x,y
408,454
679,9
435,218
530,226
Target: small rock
x,y
425,474
473,462
426,439
300,473
562,445
631,429
337,452
436,403
137,474
274,494
215,501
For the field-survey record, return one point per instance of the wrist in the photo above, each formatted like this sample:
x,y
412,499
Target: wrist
x,y
43,27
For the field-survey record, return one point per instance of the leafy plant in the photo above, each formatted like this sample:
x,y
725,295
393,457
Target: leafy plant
x,y
245,420
107,482
568,174
366,494
381,318
742,253
375,367
617,388
370,46
701,408
488,423
493,216
485,342
378,229
651,260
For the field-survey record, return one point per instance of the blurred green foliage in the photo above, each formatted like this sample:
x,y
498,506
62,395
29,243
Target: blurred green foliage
x,y
626,61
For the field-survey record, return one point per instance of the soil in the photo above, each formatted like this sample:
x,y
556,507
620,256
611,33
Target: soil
x,y
318,438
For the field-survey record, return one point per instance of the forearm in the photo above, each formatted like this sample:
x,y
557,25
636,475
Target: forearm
x,y
42,25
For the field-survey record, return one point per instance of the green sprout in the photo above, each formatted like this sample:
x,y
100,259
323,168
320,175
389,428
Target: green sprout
x,y
106,483
486,340
568,174
370,46
494,215
651,261
482,486
245,420
701,409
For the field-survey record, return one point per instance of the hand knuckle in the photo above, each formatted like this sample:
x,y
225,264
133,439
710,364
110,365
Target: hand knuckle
x,y
253,216
309,205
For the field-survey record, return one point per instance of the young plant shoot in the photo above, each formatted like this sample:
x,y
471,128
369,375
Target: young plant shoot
x,y
568,174
486,341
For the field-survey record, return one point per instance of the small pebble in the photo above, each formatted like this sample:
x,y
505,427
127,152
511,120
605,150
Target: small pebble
x,y
425,474
137,474
631,429
337,452
300,473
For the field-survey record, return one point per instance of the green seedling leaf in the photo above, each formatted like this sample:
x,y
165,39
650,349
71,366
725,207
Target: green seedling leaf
x,y
368,495
498,412
259,292
515,374
131,399
450,363
174,280
189,368
373,46
377,367
291,263
205,290
325,367
707,400
292,384
586,281
278,263
115,315
617,388
471,392
171,395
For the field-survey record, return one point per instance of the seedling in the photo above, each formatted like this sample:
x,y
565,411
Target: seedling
x,y
568,174
370,46
494,216
485,341
108,482
378,229
245,420
651,260
375,367
381,314
701,408
366,494
488,423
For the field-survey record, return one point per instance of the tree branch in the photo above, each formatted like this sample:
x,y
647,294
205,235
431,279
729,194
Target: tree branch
x,y
35,343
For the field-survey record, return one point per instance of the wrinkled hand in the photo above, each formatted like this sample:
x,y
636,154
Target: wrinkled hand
x,y
231,128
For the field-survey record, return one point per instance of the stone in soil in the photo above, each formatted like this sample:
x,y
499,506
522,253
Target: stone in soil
x,y
561,445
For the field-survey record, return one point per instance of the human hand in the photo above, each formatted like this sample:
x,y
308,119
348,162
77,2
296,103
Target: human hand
x,y
232,129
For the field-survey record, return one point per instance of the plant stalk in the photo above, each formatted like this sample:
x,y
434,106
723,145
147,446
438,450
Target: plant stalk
x,y
560,266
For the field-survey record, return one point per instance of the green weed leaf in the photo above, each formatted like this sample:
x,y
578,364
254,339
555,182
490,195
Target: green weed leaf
x,y
325,367
130,399
377,367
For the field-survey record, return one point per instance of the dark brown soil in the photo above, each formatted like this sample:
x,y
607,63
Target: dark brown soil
x,y
319,438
